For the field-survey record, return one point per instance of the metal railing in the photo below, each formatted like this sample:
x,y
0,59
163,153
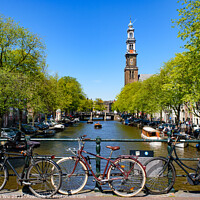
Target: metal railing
x,y
98,141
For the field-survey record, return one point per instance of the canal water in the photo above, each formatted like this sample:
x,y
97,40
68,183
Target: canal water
x,y
114,130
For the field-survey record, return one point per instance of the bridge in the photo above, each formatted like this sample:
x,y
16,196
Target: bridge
x,y
98,116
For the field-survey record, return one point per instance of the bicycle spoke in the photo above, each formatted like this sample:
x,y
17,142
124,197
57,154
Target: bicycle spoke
x,y
45,178
160,175
127,178
73,178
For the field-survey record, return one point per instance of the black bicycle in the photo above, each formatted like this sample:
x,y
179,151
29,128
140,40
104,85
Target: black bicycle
x,y
40,173
161,173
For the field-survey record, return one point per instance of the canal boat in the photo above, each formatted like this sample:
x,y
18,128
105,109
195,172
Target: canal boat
x,y
150,133
182,136
98,125
59,126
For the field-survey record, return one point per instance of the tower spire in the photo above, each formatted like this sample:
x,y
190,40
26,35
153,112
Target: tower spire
x,y
131,69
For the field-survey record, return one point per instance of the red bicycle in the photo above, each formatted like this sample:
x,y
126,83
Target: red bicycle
x,y
125,175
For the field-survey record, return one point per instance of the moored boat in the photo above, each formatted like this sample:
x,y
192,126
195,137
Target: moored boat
x,y
98,125
182,137
150,133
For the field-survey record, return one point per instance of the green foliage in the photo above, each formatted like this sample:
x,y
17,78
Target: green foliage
x,y
20,50
24,82
98,105
189,23
85,105
70,92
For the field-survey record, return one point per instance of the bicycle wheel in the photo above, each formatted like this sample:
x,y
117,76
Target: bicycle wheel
x,y
72,183
3,176
126,186
160,175
45,178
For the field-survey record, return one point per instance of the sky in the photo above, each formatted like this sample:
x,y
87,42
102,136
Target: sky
x,y
86,39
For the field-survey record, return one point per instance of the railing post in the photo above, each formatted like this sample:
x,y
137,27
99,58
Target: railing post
x,y
169,149
98,163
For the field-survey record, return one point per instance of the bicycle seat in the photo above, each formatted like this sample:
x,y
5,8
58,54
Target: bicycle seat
x,y
113,148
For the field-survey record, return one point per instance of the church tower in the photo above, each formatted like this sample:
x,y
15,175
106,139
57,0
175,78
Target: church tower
x,y
131,69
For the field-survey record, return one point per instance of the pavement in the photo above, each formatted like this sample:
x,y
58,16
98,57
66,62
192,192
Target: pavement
x,y
105,195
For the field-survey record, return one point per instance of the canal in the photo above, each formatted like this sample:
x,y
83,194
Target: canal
x,y
113,130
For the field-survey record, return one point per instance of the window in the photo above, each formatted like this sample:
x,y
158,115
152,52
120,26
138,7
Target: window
x,y
132,75
130,35
130,46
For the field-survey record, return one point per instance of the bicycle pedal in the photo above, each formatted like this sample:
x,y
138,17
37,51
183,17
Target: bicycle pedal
x,y
185,182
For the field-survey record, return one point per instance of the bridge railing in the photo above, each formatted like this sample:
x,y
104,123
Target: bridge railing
x,y
98,142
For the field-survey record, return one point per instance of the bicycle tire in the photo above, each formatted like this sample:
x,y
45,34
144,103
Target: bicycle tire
x,y
127,187
45,178
160,174
76,182
3,175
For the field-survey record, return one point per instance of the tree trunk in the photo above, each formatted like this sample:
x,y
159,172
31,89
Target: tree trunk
x,y
33,118
178,115
1,120
54,114
46,117
20,118
161,116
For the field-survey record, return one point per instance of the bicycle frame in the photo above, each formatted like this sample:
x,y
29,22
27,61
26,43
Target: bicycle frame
x,y
176,159
81,158
25,167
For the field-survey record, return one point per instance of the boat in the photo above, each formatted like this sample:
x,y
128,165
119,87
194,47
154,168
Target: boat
x,y
98,125
150,133
182,137
89,122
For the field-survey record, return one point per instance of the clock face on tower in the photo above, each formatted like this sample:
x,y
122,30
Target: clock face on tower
x,y
131,61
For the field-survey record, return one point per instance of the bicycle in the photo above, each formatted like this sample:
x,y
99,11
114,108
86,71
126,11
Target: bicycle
x,y
125,175
42,175
161,173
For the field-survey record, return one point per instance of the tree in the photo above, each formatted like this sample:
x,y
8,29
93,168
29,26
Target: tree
x,y
149,97
173,84
98,104
189,24
125,100
21,58
20,50
14,91
71,93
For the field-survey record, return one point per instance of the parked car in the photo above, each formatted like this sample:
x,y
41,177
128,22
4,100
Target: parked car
x,y
144,121
153,123
7,132
16,130
28,129
40,125
50,123
137,120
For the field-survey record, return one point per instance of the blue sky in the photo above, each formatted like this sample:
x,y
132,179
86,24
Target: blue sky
x,y
86,39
